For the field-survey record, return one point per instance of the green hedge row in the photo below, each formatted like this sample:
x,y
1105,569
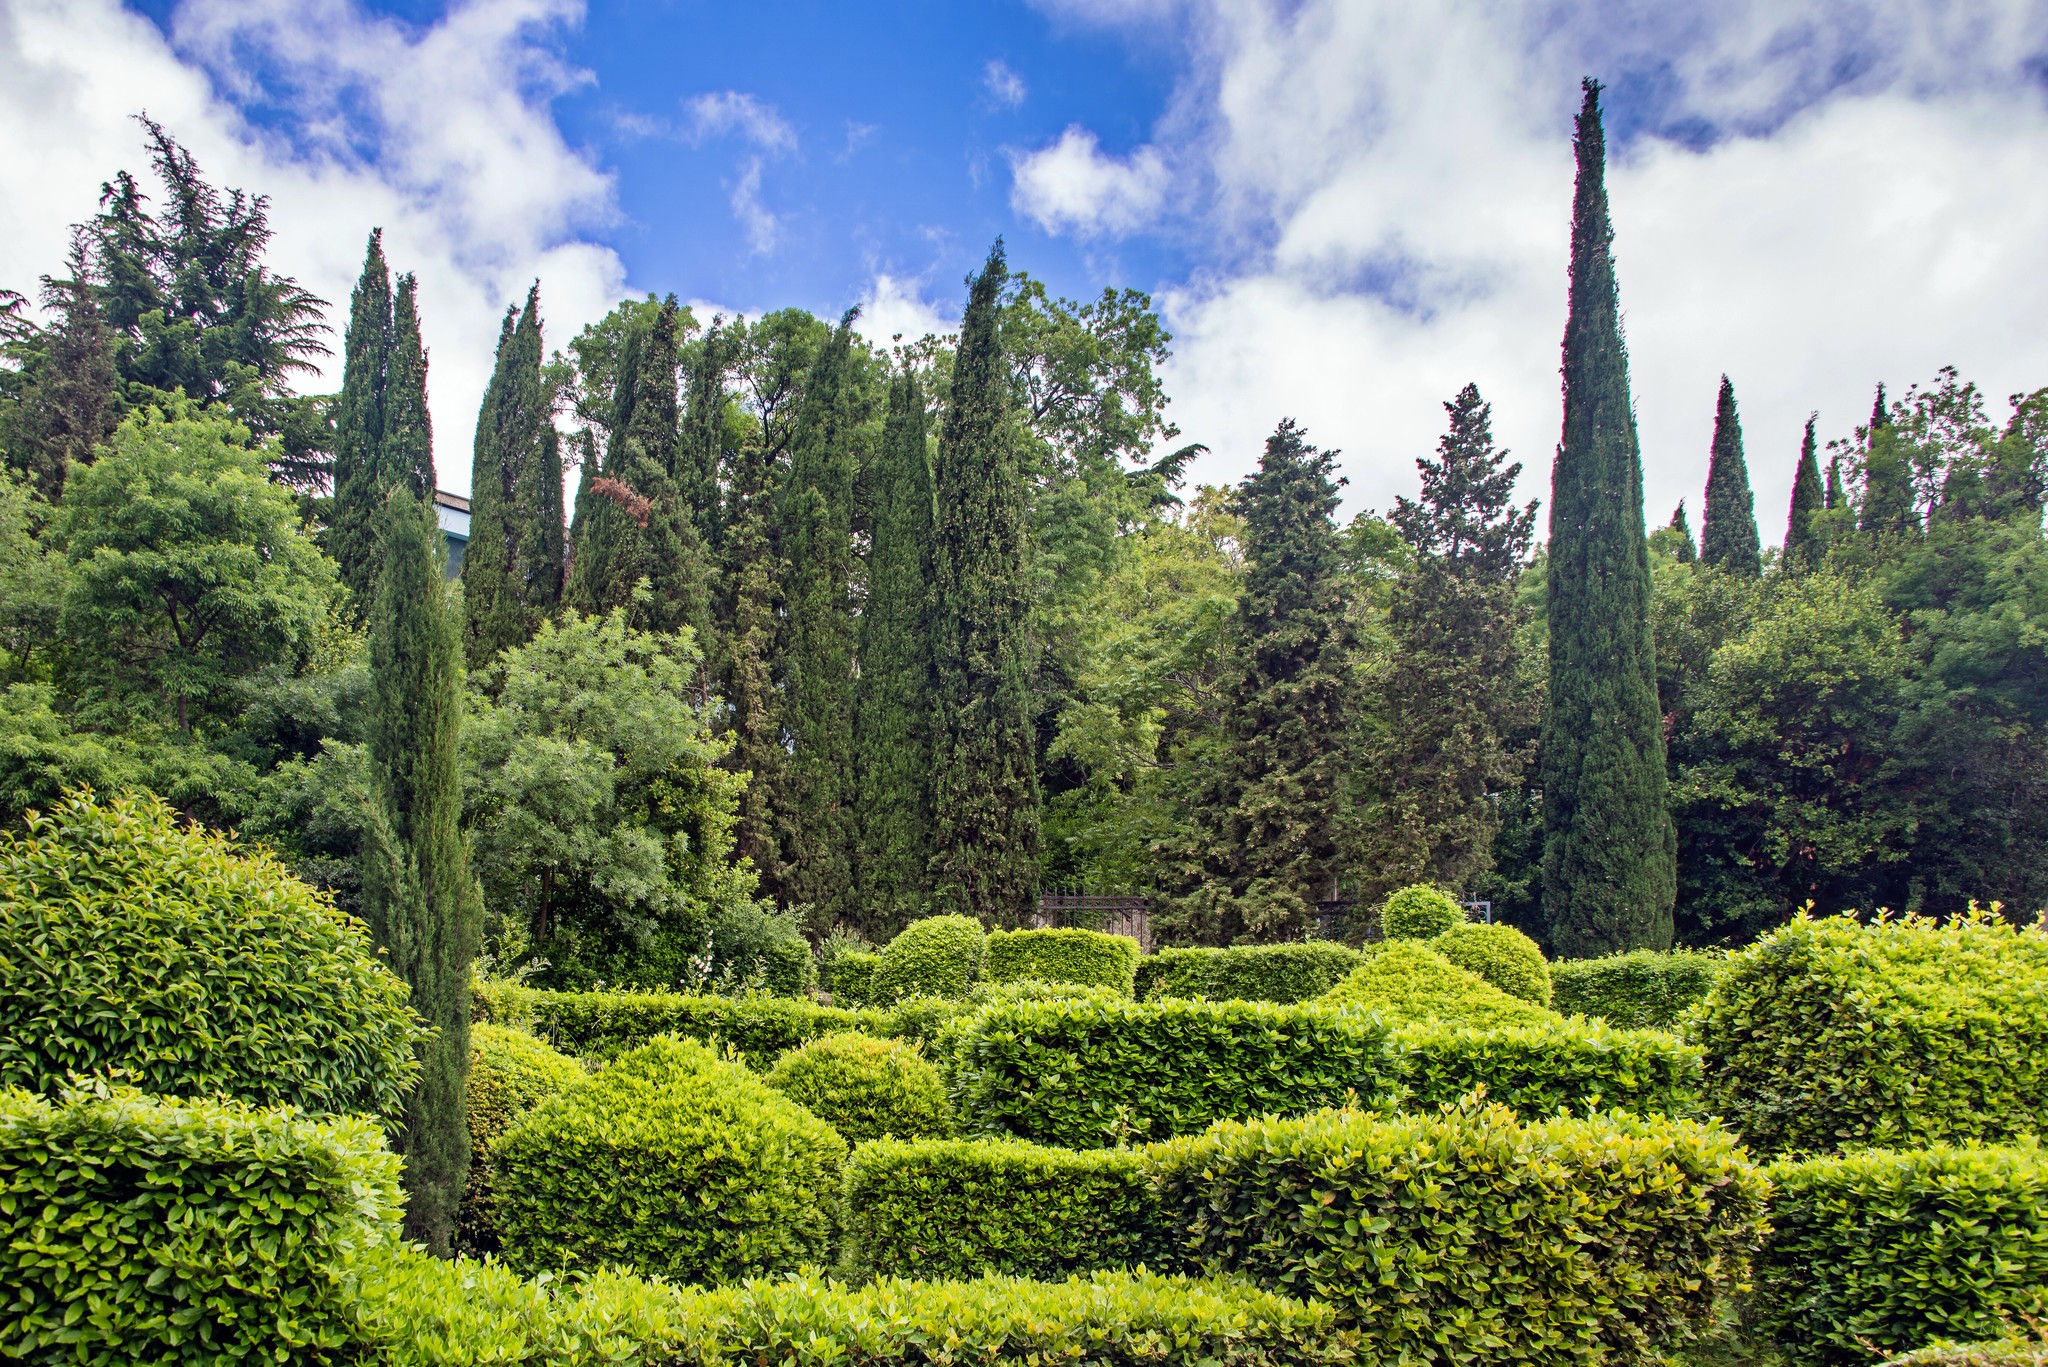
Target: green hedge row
x,y
1406,980
1643,989
1254,973
510,1072
1538,1070
939,956
2004,1352
1087,957
604,1024
865,1087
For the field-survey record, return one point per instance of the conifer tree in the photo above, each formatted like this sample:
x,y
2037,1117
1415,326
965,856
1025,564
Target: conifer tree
x,y
1728,535
1837,497
702,448
892,718
984,757
359,485
417,894
1802,539
512,569
1687,552
1609,857
71,404
406,453
746,655
1890,505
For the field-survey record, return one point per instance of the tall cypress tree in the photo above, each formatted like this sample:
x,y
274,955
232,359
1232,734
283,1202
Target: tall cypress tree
x,y
417,893
746,659
1890,504
892,717
1837,497
407,449
359,485
702,447
1728,535
984,758
511,571
1687,552
1610,851
1802,539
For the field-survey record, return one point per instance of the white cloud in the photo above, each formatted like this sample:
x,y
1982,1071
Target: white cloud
x,y
893,307
1003,85
734,111
1071,185
761,226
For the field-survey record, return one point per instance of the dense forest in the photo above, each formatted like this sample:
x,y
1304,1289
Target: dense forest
x,y
831,637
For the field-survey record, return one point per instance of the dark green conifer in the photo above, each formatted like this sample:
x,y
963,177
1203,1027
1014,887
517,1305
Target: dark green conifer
x,y
746,659
359,485
72,402
1728,535
1687,552
1802,539
1890,506
407,450
1837,497
1609,858
984,757
702,448
512,568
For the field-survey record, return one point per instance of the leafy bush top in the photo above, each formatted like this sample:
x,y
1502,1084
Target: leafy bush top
x,y
939,956
1644,988
1502,955
865,1087
1419,912
510,1072
1405,981
1255,973
605,1024
1087,957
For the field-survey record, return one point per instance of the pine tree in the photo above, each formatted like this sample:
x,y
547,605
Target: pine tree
x,y
417,894
892,718
984,755
1687,552
359,485
1609,857
1802,539
72,403
512,569
1728,535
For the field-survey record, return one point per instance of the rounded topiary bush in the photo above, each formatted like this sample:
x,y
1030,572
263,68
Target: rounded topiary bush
x,y
1069,955
865,1087
673,1162
1406,982
137,946
939,956
1419,912
1502,955
510,1072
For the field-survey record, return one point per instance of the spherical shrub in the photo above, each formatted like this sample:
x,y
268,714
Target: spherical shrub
x,y
1419,912
1502,955
1063,956
865,1087
510,1072
674,1163
939,956
1408,982
133,944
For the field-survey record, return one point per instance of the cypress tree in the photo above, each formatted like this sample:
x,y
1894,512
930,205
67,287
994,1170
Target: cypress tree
x,y
605,531
1836,497
1687,553
359,487
1609,856
702,447
892,717
984,757
406,453
1802,540
1728,535
511,571
746,654
417,895
1890,505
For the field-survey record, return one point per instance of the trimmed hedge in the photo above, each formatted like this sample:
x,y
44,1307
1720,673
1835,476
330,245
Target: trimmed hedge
x,y
1254,973
849,975
671,1162
960,1208
865,1087
1087,957
1539,1070
510,1073
1406,981
2009,1352
1502,955
1419,912
1467,1237
135,946
1828,1034
1642,989
605,1024
1894,1249
939,956
135,1228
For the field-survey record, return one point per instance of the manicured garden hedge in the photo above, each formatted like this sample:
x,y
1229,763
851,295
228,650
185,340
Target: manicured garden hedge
x,y
939,956
510,1073
1407,981
1419,912
1893,1250
1643,989
849,975
1087,957
604,1024
2008,1352
1502,955
1538,1070
865,1087
1254,973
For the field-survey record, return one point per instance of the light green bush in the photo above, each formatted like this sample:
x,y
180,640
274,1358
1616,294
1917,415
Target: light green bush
x,y
939,956
673,1163
605,1024
1063,956
846,969
1538,1070
1642,989
510,1073
1406,982
1254,973
1419,912
865,1087
138,947
1502,955
2031,1351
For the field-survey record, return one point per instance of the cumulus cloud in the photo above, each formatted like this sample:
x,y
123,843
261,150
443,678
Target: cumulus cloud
x,y
1072,185
1003,85
894,307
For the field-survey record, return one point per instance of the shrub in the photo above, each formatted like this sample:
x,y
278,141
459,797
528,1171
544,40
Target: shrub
x,y
1827,1034
1893,1249
135,946
1642,989
510,1073
135,1228
959,1208
1537,1070
939,956
1253,973
846,969
1409,982
1087,957
671,1162
1502,955
605,1024
2031,1351
865,1087
1467,1237
1419,912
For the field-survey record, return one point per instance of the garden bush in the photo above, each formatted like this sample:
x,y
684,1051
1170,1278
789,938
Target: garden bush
x,y
1087,957
865,1087
510,1073
1254,973
846,969
604,1024
2016,1351
673,1163
1406,981
1828,1034
960,1208
1502,955
135,946
144,1229
939,956
1538,1070
1642,989
1419,912
1468,1237
1892,1249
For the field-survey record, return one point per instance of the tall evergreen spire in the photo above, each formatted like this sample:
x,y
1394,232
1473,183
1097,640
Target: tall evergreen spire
x,y
1687,552
746,658
1610,853
359,428
703,437
1728,535
408,445
984,757
1890,506
511,571
1836,496
1802,540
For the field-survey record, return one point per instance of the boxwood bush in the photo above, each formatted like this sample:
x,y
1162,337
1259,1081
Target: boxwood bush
x,y
1087,957
1538,1070
1642,989
2004,1352
1890,1250
1419,912
865,1087
670,1162
136,1228
1468,1237
1502,955
1829,1034
510,1073
136,946
939,956
1253,973
846,969
960,1208
1406,981
605,1024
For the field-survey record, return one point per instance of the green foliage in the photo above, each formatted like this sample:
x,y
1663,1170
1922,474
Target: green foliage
x,y
1728,536
1467,1237
603,1025
1538,1070
2031,1351
865,1087
1640,989
1255,973
1500,954
1063,956
512,567
1804,544
359,426
1406,981
846,969
673,1163
137,948
1885,1251
1419,912
963,1208
137,1228
939,956
1828,1034
510,1072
